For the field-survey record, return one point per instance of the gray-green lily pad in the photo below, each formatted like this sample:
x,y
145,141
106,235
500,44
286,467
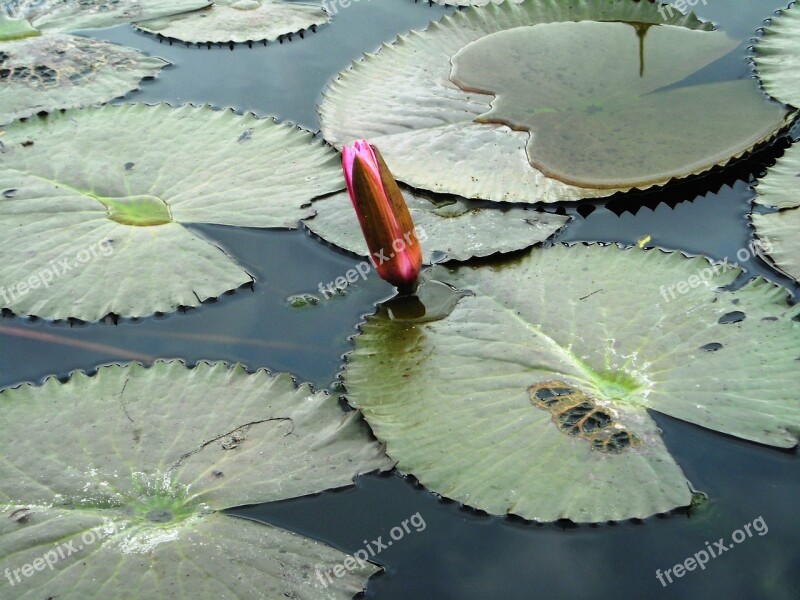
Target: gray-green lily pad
x,y
239,21
118,480
778,57
780,230
462,229
94,204
588,88
532,397
61,71
71,15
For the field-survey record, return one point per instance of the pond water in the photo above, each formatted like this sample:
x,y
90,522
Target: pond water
x,y
461,553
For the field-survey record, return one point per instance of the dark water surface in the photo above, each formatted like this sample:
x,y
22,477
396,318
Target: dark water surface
x,y
461,554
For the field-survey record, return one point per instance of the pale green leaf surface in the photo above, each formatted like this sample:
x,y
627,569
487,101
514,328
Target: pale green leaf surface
x,y
780,230
62,71
778,56
463,229
71,15
450,398
425,125
592,104
239,21
64,178
151,455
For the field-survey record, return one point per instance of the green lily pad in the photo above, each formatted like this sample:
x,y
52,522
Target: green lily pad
x,y
60,71
93,204
71,15
780,230
532,397
239,21
463,229
593,108
590,102
15,28
129,478
778,57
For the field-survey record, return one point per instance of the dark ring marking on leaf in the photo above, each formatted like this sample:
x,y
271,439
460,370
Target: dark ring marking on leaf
x,y
576,414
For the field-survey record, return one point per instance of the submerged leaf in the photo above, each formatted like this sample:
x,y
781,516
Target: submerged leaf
x,y
778,57
780,230
94,202
61,71
462,229
239,21
594,123
133,500
532,397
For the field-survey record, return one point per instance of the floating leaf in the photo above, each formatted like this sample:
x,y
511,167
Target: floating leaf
x,y
71,15
61,71
584,95
780,231
129,478
532,397
462,229
96,200
239,21
778,57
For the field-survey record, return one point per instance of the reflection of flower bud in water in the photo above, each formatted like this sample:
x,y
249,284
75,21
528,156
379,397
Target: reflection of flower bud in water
x,y
382,212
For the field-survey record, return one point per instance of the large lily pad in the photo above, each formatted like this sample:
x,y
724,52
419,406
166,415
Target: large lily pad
x,y
71,15
129,478
61,71
462,229
778,190
778,57
584,89
239,21
98,198
532,397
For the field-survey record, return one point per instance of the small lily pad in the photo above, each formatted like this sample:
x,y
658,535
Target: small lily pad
x,y
239,21
60,71
462,229
532,397
587,86
778,190
71,15
123,489
94,204
778,56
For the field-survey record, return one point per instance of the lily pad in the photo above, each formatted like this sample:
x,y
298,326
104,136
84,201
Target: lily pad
x,y
532,397
129,480
95,201
71,15
778,57
62,71
586,87
239,21
779,190
462,229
